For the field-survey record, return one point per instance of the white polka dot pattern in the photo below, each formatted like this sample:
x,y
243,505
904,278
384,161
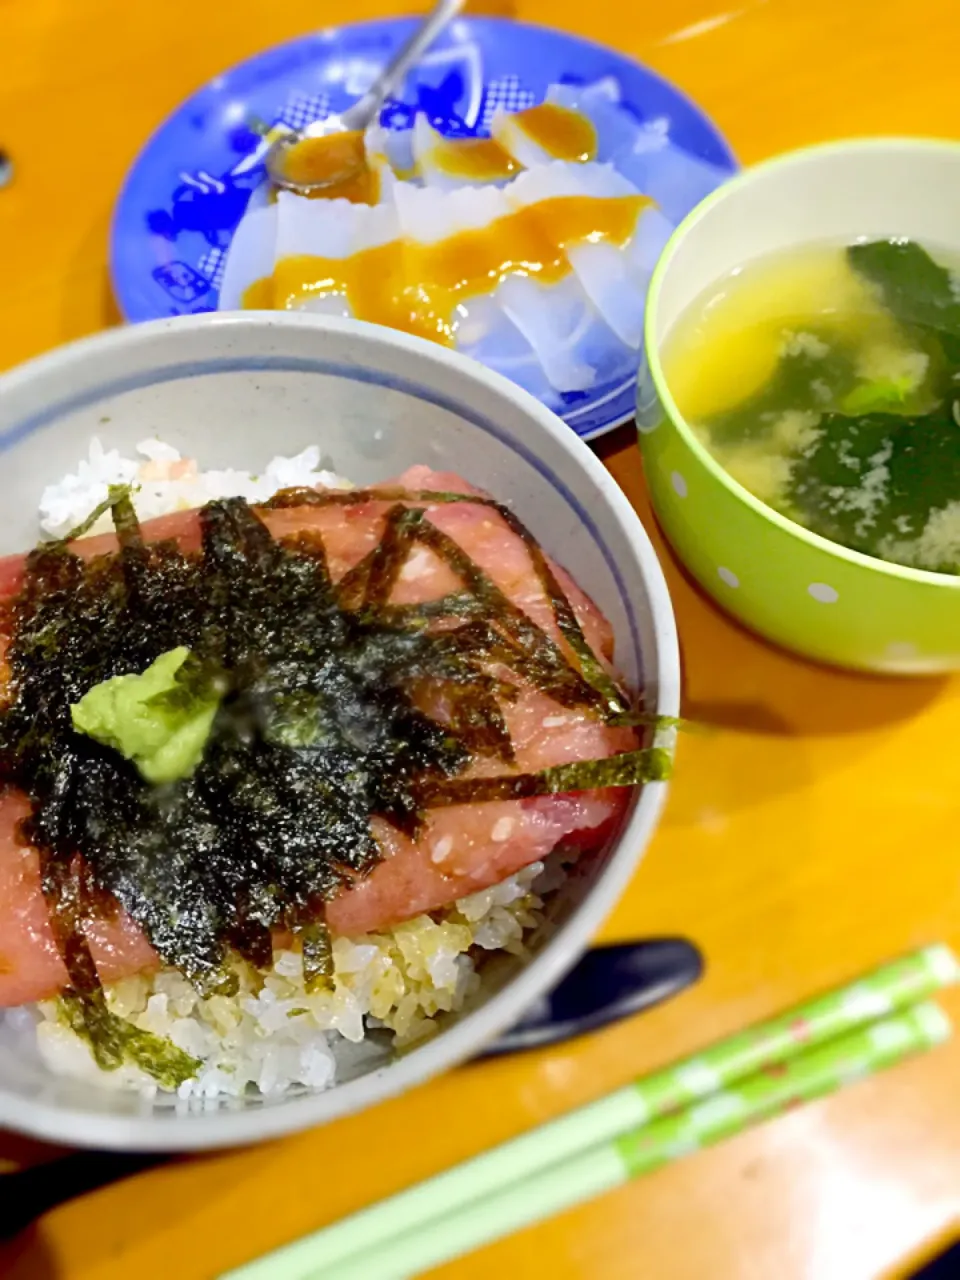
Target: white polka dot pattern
x,y
901,650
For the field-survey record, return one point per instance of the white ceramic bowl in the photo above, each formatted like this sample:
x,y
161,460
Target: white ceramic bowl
x,y
235,390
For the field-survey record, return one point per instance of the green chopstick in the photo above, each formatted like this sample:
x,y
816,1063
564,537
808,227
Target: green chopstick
x,y
891,987
812,1074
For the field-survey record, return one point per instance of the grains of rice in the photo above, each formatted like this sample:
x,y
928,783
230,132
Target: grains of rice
x,y
166,482
273,1034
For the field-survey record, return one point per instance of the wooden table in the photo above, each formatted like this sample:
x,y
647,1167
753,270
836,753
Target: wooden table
x,y
812,831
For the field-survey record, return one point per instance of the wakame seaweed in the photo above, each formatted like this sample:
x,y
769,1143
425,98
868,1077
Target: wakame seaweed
x,y
920,461
915,289
914,456
318,730
652,764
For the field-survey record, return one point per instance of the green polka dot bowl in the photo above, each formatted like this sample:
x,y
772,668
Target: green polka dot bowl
x,y
781,580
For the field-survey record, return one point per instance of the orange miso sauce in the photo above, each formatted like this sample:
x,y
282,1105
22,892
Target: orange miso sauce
x,y
259,296
562,133
339,159
474,159
416,287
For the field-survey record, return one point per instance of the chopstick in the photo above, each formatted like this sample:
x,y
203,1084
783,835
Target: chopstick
x,y
797,1055
602,1168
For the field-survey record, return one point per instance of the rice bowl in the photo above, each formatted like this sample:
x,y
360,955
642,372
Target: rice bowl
x,y
428,961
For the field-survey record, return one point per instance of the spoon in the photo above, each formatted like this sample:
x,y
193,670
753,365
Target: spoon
x,y
365,110
608,983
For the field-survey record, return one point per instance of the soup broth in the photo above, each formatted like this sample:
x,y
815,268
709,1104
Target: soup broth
x,y
826,380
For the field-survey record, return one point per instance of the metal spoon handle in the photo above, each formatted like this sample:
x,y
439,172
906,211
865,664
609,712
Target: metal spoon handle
x,y
362,112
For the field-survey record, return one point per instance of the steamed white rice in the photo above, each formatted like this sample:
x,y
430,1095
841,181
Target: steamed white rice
x,y
167,482
272,1035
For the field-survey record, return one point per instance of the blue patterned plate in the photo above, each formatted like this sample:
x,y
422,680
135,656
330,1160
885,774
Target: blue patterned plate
x,y
190,185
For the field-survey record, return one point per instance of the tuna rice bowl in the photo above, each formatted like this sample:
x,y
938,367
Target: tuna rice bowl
x,y
283,763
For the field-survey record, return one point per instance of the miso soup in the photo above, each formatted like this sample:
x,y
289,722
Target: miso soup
x,y
826,380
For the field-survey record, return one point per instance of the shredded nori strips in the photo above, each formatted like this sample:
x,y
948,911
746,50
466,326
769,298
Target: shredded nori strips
x,y
317,949
625,770
318,732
